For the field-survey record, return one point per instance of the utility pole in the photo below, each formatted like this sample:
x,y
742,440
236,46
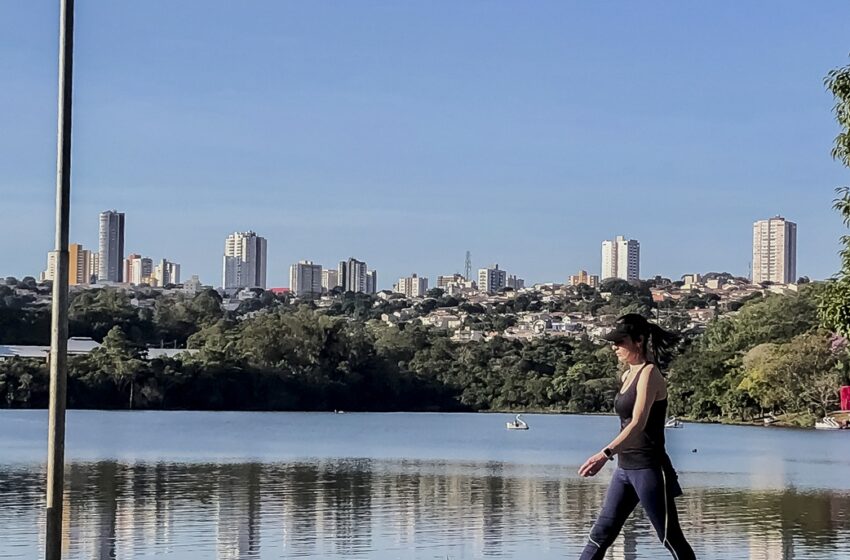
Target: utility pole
x,y
59,320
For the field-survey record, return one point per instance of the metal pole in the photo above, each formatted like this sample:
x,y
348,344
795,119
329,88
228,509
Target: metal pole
x,y
59,322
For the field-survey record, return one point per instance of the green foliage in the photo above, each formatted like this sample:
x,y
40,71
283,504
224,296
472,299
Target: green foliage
x,y
730,370
800,375
23,383
835,300
838,83
272,354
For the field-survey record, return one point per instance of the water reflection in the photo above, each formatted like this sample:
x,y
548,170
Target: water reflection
x,y
388,509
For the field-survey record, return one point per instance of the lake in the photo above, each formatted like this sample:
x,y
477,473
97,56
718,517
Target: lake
x,y
241,485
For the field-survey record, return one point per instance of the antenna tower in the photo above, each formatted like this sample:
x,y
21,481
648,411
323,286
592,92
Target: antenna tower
x,y
468,266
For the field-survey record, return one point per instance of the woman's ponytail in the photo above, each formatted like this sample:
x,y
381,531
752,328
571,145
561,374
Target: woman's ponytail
x,y
661,344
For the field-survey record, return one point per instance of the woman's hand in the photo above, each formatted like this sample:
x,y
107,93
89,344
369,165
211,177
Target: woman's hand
x,y
593,465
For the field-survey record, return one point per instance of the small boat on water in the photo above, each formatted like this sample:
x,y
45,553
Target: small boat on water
x,y
673,422
828,423
835,420
517,424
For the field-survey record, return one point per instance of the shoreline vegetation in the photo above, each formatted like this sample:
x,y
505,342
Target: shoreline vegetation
x,y
275,353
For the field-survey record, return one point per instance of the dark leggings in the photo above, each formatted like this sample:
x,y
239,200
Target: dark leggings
x,y
650,488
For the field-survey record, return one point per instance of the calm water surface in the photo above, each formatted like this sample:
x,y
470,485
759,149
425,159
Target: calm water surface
x,y
189,485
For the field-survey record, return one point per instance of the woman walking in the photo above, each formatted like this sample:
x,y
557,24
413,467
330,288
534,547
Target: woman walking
x,y
644,473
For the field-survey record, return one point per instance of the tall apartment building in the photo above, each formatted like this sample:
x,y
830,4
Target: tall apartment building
x,y
355,276
352,275
775,251
515,283
620,258
138,269
491,280
49,272
166,272
79,261
371,281
412,286
244,261
444,280
95,266
79,265
111,247
305,279
330,279
583,277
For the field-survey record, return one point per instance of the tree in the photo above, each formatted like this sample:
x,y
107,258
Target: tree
x,y
835,301
838,82
435,293
760,366
119,360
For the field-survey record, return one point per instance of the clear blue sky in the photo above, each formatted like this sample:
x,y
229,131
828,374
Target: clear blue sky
x,y
405,133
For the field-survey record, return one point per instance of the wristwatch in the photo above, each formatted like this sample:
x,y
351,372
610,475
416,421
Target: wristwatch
x,y
608,453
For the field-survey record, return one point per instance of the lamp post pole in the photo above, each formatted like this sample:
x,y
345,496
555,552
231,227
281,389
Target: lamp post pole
x,y
59,320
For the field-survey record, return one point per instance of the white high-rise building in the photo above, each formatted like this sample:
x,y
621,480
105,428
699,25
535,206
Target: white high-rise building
x,y
444,280
515,283
775,251
305,279
50,272
95,266
79,266
491,280
352,275
244,261
111,247
138,269
620,259
330,279
412,286
371,281
166,272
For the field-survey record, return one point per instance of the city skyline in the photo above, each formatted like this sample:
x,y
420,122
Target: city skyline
x,y
497,149
245,262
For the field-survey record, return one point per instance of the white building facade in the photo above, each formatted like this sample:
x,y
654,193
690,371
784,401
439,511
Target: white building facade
x,y
775,251
244,261
444,280
355,276
166,272
620,259
412,286
330,279
138,269
493,279
305,279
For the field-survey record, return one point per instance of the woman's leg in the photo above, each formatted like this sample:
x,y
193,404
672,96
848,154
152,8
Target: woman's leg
x,y
620,502
656,495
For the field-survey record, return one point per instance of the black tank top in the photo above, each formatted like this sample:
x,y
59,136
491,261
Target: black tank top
x,y
646,450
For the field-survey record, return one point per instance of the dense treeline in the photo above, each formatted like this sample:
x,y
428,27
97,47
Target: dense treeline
x,y
773,356
280,356
274,354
